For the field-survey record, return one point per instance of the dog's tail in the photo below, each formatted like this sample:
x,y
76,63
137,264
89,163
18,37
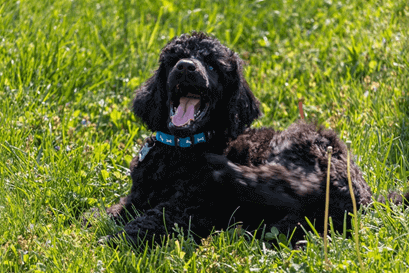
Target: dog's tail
x,y
396,198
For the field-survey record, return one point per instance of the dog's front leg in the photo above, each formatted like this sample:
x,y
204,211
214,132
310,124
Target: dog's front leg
x,y
152,226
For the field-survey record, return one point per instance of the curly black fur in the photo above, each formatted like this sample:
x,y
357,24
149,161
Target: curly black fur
x,y
259,174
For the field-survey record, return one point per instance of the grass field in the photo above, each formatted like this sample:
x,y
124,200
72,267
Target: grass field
x,y
67,74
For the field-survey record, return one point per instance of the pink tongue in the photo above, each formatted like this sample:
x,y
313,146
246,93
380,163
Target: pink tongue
x,y
185,111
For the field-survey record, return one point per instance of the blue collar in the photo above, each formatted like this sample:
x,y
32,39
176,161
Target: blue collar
x,y
181,142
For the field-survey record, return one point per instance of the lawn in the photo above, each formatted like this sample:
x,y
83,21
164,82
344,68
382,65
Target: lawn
x,y
68,70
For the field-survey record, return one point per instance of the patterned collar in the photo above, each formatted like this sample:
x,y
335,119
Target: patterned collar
x,y
181,142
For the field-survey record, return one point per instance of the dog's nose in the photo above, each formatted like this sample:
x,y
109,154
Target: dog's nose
x,y
185,65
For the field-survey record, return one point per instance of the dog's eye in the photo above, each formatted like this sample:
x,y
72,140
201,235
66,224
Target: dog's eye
x,y
211,67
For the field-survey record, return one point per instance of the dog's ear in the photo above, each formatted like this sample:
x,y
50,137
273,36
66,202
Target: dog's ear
x,y
243,105
150,101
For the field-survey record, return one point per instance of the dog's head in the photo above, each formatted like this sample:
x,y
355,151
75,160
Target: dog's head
x,y
198,87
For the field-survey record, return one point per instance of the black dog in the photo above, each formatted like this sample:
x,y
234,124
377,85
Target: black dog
x,y
206,165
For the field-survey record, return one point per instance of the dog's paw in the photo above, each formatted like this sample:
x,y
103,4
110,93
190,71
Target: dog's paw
x,y
121,238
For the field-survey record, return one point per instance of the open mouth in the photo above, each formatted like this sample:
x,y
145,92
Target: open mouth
x,y
187,109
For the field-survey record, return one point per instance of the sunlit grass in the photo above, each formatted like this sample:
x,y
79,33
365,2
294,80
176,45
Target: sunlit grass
x,y
67,74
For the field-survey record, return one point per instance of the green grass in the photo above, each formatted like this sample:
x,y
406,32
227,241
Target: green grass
x,y
67,74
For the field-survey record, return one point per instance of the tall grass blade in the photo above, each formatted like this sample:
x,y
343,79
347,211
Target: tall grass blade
x,y
329,151
351,190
